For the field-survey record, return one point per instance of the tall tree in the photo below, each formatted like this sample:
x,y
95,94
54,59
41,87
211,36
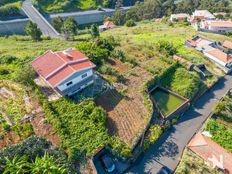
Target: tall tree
x,y
57,23
33,30
119,4
94,31
69,27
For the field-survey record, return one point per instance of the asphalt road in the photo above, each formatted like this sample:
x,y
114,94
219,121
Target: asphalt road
x,y
37,18
168,149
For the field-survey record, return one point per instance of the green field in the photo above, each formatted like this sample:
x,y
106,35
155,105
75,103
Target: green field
x,y
166,102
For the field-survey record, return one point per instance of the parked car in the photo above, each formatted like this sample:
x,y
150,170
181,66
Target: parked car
x,y
164,170
108,163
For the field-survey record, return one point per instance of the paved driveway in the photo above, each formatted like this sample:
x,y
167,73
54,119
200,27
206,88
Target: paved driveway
x,y
168,149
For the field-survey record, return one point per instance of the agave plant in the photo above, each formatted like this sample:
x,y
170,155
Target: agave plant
x,y
47,165
18,165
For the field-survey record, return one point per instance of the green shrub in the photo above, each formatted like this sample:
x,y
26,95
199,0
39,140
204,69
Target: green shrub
x,y
9,10
4,71
221,134
166,47
106,69
130,23
152,136
7,59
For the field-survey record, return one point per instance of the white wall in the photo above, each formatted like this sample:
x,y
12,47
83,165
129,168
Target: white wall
x,y
75,80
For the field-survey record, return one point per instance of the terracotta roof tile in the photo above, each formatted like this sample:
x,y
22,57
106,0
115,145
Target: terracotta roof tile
x,y
57,66
227,44
220,55
208,149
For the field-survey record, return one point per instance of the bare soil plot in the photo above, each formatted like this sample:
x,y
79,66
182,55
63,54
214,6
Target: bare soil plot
x,y
21,116
126,113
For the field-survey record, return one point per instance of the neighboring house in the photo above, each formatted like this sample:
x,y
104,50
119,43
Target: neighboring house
x,y
218,26
220,57
213,50
199,43
180,17
107,25
211,152
201,15
67,72
227,45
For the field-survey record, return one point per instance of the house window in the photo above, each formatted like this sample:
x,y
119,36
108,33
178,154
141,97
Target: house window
x,y
69,83
84,75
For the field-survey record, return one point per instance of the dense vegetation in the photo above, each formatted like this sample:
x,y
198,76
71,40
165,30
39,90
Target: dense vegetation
x,y
220,125
52,6
33,155
81,127
9,8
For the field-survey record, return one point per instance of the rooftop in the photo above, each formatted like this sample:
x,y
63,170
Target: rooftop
x,y
210,151
227,44
54,67
220,55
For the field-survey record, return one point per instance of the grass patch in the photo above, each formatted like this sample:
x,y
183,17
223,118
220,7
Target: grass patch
x,y
166,102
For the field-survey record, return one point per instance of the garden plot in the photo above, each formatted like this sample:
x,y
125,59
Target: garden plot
x,y
20,115
127,113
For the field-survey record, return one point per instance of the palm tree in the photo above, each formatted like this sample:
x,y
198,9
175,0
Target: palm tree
x,y
18,165
47,165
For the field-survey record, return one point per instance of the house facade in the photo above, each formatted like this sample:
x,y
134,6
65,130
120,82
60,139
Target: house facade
x,y
217,26
180,17
67,72
199,15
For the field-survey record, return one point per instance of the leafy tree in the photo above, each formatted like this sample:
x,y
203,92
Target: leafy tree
x,y
130,23
57,23
119,4
25,74
119,17
94,31
32,30
69,27
18,165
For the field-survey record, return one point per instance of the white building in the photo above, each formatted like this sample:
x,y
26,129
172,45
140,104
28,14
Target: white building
x,y
179,17
67,72
219,26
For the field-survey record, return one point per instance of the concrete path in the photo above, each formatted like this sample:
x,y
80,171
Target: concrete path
x,y
37,18
168,149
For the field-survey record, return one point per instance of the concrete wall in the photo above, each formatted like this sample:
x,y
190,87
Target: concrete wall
x,y
15,26
82,18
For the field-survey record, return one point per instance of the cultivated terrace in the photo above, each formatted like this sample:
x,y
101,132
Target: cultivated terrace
x,y
131,59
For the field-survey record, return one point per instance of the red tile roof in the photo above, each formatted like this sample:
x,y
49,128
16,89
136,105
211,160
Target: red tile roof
x,y
55,67
220,55
109,24
210,151
227,44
